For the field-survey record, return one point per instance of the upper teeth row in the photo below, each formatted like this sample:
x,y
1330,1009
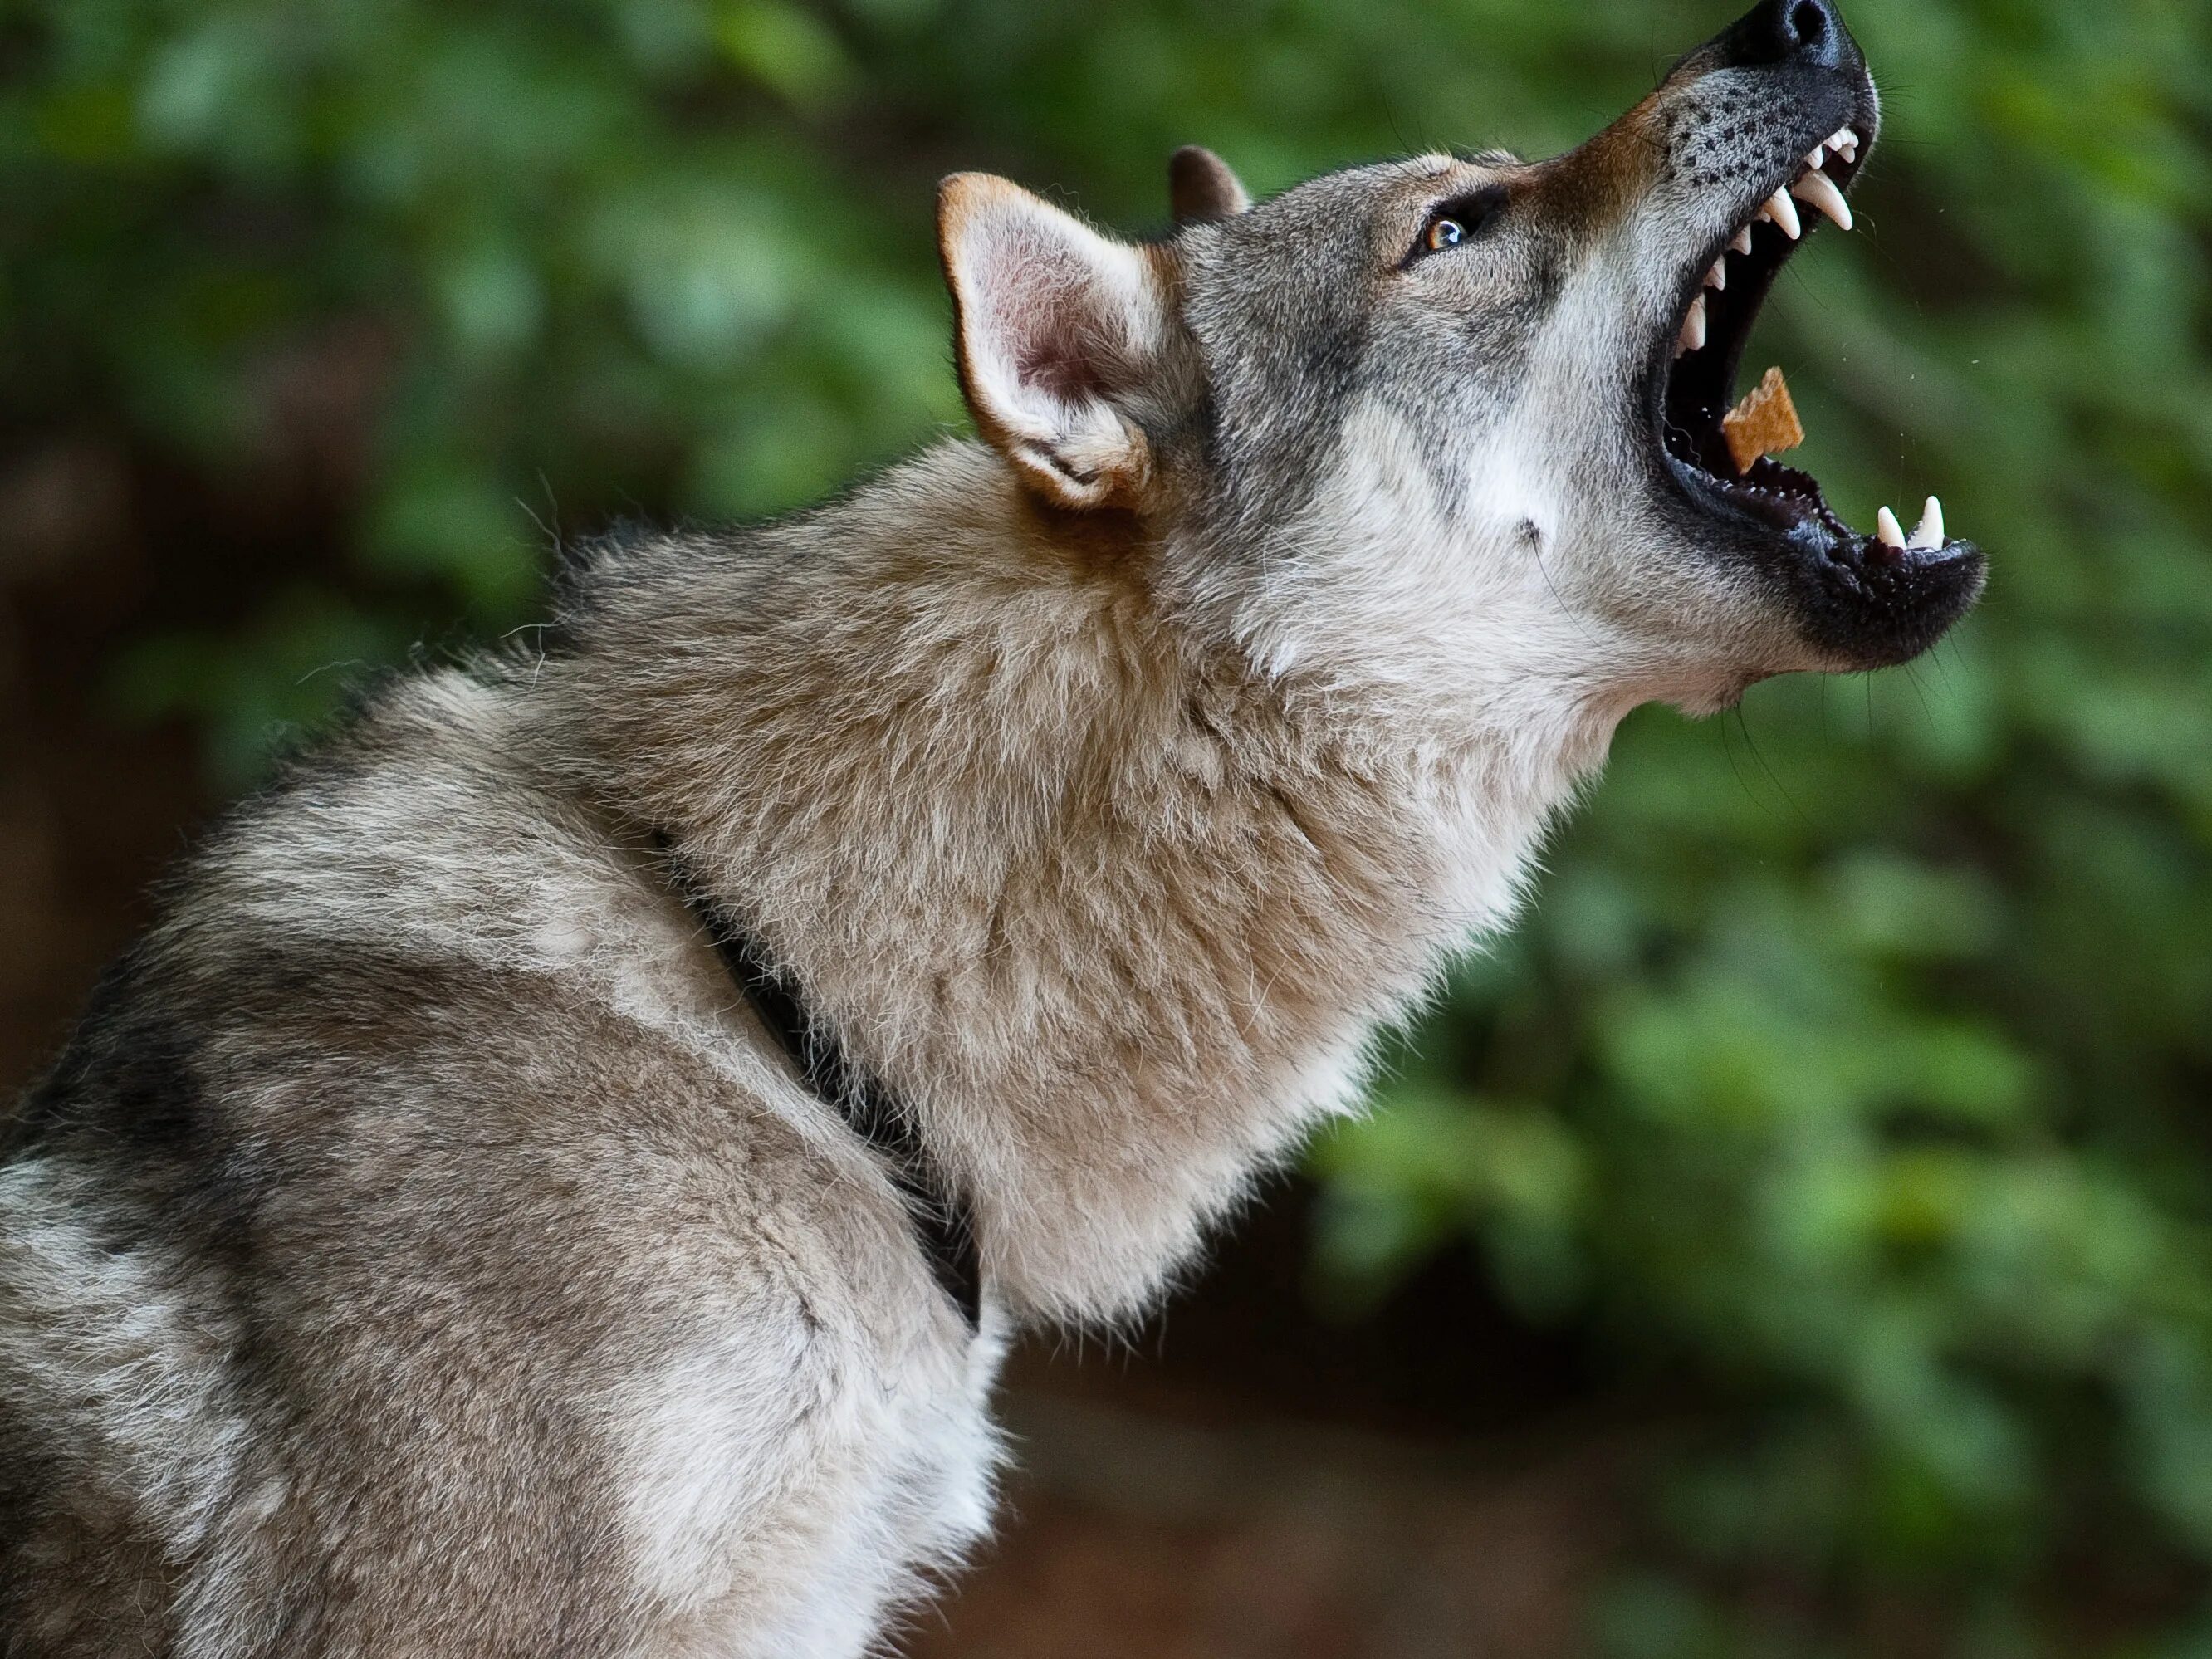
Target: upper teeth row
x,y
1811,186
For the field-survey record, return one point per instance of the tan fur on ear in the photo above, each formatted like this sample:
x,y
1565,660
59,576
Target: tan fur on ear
x,y
1052,321
1201,187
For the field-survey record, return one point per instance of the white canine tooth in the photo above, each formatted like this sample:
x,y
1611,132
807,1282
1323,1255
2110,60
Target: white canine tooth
x,y
1886,528
1819,190
1742,241
1928,533
1716,278
1784,211
1694,326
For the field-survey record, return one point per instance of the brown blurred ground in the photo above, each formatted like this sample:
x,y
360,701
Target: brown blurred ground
x,y
1243,1479
1135,1531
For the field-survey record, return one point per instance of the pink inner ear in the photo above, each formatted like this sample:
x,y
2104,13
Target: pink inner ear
x,y
1040,312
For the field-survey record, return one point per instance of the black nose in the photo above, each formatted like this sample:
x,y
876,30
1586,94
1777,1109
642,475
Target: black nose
x,y
1783,31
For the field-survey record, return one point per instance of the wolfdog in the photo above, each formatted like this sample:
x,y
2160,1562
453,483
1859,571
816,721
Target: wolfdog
x,y
560,1173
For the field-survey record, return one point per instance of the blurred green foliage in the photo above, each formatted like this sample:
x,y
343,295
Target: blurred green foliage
x,y
1850,1076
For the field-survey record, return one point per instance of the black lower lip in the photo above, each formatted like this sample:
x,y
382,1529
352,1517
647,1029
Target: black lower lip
x,y
1859,603
1769,493
1873,607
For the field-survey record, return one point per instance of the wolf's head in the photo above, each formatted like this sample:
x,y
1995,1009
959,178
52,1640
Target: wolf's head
x,y
1460,418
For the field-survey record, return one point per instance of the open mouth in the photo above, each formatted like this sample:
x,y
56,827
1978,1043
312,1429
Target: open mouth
x,y
1721,451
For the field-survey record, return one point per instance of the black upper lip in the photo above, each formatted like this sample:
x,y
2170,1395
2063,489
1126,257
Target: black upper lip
x,y
1687,395
1867,603
1859,601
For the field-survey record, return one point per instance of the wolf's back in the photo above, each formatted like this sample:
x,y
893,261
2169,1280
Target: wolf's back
x,y
193,1198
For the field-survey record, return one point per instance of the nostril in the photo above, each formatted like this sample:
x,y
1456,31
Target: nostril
x,y
1785,30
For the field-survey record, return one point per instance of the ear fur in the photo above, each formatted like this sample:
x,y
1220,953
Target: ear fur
x,y
1053,321
1200,186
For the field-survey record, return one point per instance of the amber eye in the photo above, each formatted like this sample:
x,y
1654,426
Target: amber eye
x,y
1458,221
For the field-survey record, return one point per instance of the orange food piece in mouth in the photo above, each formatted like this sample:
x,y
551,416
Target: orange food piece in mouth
x,y
1763,423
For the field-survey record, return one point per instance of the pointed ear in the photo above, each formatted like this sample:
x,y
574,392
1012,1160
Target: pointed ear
x,y
1200,186
1054,320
